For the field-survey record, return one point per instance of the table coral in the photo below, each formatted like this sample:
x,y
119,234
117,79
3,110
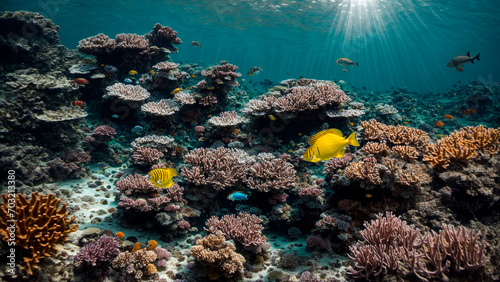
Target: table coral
x,y
40,225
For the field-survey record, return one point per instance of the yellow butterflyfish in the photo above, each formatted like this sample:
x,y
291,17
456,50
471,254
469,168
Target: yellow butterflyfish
x,y
176,90
162,177
328,144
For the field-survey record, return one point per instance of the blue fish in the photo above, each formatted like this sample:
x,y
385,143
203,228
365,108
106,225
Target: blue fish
x,y
237,196
137,128
128,80
115,116
101,165
110,69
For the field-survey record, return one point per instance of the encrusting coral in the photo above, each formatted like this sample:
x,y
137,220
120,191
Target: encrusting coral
x,y
219,257
40,225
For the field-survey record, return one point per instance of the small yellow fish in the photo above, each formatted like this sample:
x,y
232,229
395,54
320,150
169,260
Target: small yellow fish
x,y
368,195
152,72
176,90
132,72
271,117
351,123
190,87
300,134
344,70
440,135
405,122
193,76
211,88
243,80
162,177
209,116
290,151
328,144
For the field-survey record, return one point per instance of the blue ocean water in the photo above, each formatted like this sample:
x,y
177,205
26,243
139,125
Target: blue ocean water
x,y
397,43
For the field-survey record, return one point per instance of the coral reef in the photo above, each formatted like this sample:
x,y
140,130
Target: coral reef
x,y
243,228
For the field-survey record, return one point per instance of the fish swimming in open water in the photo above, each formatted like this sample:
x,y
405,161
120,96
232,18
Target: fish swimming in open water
x,y
346,62
195,43
162,177
328,144
254,71
459,61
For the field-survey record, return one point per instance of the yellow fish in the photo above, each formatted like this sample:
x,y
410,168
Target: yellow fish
x,y
193,76
271,117
162,177
176,90
328,144
152,72
132,72
211,88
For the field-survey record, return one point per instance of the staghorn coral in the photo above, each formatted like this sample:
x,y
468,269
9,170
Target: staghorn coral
x,y
365,172
162,108
127,92
406,152
376,148
244,228
273,174
395,134
39,225
219,257
462,145
105,250
219,168
227,119
335,163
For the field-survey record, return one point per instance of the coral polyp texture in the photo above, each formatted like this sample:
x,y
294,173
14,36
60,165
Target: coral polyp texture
x,y
35,224
127,92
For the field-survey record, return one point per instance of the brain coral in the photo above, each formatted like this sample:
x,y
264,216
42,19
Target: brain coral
x,y
35,224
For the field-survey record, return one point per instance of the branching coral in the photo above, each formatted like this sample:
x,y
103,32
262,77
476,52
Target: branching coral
x,y
105,250
463,145
219,168
395,134
39,225
166,66
335,163
273,174
244,228
376,148
136,183
390,244
219,256
135,262
366,172
164,36
405,152
146,155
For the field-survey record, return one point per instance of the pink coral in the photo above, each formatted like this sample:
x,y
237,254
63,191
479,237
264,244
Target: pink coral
x,y
184,225
136,184
139,204
274,174
335,163
199,128
244,228
281,198
104,130
146,155
310,192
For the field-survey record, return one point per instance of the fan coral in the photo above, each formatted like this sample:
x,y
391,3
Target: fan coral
x,y
39,225
127,92
219,256
219,168
244,228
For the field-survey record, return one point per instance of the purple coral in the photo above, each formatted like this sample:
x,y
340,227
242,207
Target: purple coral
x,y
103,251
244,228
316,241
104,130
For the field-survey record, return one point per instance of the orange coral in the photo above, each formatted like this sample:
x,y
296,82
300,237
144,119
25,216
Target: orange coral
x,y
375,148
137,247
364,172
149,269
405,152
39,225
152,245
395,134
